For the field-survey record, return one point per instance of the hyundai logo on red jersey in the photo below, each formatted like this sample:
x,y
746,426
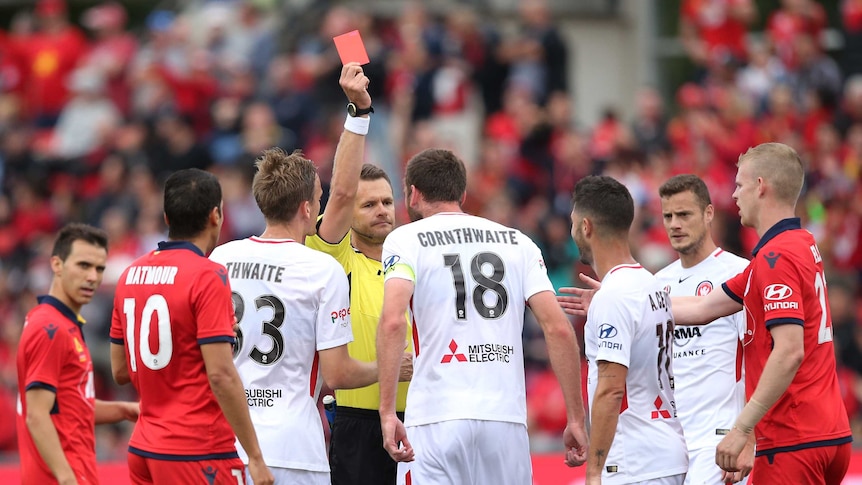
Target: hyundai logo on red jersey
x,y
607,330
777,292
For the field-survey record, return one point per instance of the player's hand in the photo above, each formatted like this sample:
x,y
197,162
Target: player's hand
x,y
130,410
260,474
395,438
577,444
580,302
745,463
67,478
405,373
728,450
354,83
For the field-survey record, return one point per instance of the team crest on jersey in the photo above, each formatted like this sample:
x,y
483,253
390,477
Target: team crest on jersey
x,y
79,349
390,262
703,288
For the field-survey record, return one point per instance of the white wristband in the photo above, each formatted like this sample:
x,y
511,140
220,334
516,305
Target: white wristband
x,y
357,125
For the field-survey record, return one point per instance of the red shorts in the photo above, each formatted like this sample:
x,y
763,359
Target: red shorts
x,y
824,464
148,471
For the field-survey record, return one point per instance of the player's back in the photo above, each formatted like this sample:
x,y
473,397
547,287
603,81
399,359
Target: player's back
x,y
291,301
707,359
472,278
167,304
630,323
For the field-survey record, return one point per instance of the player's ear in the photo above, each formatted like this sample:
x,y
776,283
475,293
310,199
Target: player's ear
x,y
215,216
56,264
709,213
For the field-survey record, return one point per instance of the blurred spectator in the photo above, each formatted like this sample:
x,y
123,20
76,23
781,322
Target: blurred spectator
x,y
816,72
793,19
87,120
763,72
112,50
48,55
650,124
715,28
851,23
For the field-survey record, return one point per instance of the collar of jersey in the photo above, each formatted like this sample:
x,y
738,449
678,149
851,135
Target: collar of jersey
x,y
165,245
62,308
788,224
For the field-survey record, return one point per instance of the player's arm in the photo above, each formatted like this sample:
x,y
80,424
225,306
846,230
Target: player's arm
x,y
564,355
40,401
700,310
604,414
348,161
340,371
119,369
788,350
227,387
390,346
108,412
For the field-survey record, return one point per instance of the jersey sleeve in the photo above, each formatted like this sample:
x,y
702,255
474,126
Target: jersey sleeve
x,y
44,352
535,272
735,286
212,306
333,316
399,260
780,289
341,251
614,328
117,334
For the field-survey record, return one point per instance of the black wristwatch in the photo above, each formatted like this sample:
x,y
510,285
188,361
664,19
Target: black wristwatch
x,y
355,111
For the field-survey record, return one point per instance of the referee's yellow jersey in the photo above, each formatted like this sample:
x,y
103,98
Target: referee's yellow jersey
x,y
366,301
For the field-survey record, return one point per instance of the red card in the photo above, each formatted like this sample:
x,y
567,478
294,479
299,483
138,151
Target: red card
x,y
350,48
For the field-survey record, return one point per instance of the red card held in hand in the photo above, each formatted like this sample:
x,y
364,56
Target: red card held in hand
x,y
350,48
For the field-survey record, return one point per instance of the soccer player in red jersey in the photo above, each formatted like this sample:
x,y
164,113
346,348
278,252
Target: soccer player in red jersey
x,y
57,408
171,336
794,403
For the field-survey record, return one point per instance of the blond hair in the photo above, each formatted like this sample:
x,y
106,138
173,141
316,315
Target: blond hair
x,y
282,183
778,164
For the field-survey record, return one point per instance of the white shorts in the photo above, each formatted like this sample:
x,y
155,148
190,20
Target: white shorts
x,y
290,476
702,469
468,452
671,480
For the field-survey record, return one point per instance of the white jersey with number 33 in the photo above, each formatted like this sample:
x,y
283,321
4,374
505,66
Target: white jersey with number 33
x,y
291,301
472,278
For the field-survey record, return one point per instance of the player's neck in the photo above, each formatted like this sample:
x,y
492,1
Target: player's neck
x,y
693,259
611,253
771,216
57,292
283,231
367,247
432,208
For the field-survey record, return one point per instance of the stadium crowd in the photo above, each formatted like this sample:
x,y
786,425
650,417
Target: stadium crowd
x,y
94,115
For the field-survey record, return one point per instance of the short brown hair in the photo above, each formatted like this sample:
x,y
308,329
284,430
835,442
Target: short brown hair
x,y
438,174
686,183
780,165
373,172
76,231
282,183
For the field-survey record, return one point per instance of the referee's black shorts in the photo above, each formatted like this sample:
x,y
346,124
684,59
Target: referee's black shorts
x,y
356,454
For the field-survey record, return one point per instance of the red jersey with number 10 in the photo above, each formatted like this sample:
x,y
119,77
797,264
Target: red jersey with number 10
x,y
167,304
784,284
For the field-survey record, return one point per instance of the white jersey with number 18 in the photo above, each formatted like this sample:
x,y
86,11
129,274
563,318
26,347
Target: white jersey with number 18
x,y
291,301
472,278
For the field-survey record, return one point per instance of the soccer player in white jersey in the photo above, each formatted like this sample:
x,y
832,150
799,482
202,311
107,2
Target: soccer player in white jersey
x,y
293,309
635,435
466,281
707,360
